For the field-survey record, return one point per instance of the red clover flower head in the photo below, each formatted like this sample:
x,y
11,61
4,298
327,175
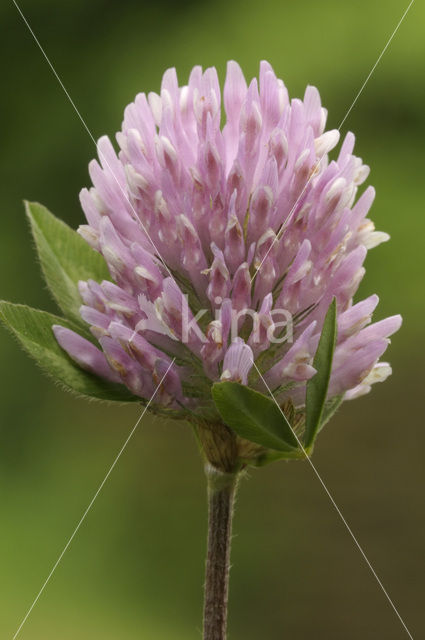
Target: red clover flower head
x,y
226,246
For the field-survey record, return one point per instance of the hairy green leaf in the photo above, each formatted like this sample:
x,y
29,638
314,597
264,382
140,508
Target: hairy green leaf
x,y
253,416
317,386
65,259
33,329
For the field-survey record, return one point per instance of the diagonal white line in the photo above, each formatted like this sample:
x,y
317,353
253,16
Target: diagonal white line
x,y
317,164
375,65
102,157
91,503
338,510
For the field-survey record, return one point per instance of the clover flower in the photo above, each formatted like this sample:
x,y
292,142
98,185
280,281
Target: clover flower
x,y
199,224
217,271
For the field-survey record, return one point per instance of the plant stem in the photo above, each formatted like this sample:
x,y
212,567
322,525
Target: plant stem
x,y
221,494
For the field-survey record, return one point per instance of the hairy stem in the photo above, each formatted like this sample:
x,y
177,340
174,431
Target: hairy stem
x,y
221,494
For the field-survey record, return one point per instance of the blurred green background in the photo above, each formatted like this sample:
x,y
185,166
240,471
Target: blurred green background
x,y
135,569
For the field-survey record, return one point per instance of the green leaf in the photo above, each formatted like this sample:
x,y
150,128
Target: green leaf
x,y
331,406
274,456
33,329
253,416
317,386
65,259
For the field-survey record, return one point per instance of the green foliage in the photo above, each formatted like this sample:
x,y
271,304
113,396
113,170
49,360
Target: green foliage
x,y
258,418
254,416
33,329
331,407
317,386
65,259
